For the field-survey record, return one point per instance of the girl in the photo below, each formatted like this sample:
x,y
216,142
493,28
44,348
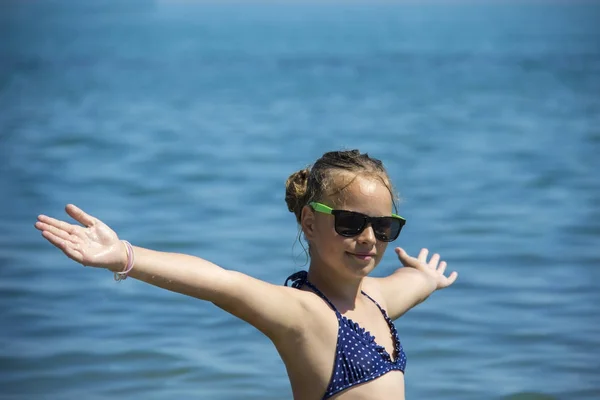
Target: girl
x,y
333,327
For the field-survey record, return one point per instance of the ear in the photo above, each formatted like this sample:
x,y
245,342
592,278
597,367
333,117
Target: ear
x,y
307,222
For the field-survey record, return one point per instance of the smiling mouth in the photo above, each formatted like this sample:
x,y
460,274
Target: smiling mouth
x,y
363,256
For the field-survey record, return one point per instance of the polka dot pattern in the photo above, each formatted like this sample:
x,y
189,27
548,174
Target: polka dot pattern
x,y
358,357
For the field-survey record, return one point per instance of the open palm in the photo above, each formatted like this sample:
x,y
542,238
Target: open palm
x,y
434,269
93,244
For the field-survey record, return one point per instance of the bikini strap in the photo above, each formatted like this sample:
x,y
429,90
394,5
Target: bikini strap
x,y
397,346
385,314
376,303
300,279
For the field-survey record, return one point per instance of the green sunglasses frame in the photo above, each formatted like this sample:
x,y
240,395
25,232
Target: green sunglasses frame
x,y
322,208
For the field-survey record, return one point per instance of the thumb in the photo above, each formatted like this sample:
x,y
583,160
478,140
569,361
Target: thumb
x,y
403,256
407,260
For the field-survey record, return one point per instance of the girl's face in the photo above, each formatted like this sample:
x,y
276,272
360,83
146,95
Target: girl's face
x,y
353,256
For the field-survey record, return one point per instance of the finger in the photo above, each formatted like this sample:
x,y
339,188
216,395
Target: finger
x,y
442,267
435,259
62,225
422,257
450,280
405,259
68,248
55,240
402,255
79,215
56,232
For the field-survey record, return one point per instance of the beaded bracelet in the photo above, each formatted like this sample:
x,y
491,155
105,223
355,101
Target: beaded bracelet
x,y
121,276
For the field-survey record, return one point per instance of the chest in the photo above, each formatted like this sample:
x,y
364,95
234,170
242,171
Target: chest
x,y
341,350
368,321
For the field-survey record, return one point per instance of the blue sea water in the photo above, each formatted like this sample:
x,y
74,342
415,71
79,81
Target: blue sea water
x,y
178,122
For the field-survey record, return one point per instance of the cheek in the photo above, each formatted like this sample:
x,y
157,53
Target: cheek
x,y
324,230
381,247
326,240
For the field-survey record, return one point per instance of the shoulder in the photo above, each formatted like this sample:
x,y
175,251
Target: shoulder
x,y
274,309
312,306
315,324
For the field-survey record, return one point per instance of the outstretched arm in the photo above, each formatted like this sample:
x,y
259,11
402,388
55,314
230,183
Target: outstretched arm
x,y
413,283
270,308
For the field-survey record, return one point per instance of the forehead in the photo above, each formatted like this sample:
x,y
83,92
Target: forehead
x,y
366,194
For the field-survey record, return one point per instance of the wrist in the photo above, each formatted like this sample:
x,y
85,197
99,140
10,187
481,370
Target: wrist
x,y
122,258
430,284
130,261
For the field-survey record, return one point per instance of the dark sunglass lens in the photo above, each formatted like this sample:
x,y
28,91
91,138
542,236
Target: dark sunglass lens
x,y
387,228
348,223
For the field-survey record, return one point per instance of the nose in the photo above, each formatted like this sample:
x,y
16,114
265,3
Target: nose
x,y
367,236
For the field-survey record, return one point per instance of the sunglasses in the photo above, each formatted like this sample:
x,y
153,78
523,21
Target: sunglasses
x,y
350,223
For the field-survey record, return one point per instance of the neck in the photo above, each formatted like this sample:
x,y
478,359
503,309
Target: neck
x,y
344,290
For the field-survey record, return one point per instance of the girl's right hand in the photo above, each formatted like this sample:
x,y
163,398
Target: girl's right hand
x,y
94,244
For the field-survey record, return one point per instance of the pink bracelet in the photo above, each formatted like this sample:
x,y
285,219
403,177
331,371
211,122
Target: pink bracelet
x,y
121,276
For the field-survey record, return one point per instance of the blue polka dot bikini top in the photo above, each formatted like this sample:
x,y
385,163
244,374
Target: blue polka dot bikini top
x,y
358,358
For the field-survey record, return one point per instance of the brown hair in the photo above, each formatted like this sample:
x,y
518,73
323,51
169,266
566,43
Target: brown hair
x,y
314,183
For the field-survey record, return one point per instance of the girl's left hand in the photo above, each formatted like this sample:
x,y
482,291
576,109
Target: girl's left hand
x,y
434,269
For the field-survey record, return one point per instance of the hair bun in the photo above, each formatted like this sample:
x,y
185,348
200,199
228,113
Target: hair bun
x,y
296,191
